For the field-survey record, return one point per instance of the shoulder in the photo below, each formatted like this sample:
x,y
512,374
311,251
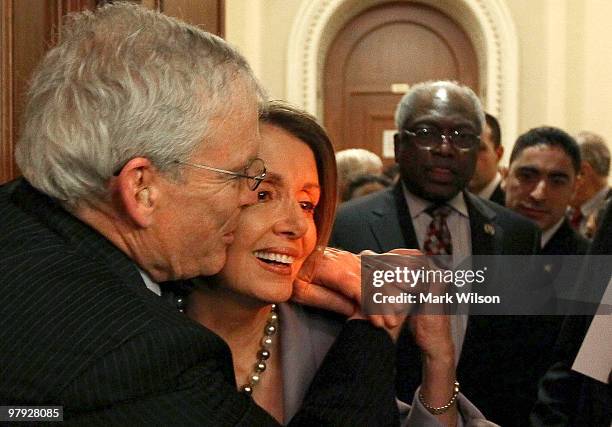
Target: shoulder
x,y
566,241
367,203
62,308
508,219
357,211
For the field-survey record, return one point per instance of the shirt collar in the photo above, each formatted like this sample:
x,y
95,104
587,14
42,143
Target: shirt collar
x,y
151,285
486,192
417,205
547,235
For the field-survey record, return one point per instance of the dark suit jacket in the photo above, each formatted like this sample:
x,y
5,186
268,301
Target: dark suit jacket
x,y
495,373
80,329
566,397
498,196
566,241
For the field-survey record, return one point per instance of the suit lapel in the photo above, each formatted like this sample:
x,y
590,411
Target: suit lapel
x,y
486,235
390,222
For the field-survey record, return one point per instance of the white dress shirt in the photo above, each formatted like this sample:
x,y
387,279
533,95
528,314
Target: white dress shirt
x,y
151,285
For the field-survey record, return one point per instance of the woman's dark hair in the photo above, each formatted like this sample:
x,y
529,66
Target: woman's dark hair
x,y
303,126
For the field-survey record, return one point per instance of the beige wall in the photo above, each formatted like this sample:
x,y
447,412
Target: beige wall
x,y
565,54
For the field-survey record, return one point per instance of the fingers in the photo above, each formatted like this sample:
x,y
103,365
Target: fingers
x,y
335,284
319,296
339,271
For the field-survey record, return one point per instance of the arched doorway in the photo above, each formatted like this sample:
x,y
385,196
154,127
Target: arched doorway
x,y
488,23
375,58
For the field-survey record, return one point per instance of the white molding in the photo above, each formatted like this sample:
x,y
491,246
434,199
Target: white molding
x,y
488,23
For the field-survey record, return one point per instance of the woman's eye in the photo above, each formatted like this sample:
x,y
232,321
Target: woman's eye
x,y
308,206
263,196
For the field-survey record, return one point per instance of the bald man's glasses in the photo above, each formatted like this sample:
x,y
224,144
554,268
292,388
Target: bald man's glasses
x,y
254,172
431,138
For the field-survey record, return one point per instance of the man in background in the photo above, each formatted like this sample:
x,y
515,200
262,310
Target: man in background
x,y
439,126
353,163
486,181
592,189
541,181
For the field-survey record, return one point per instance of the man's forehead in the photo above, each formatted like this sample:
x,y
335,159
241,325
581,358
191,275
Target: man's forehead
x,y
545,158
444,104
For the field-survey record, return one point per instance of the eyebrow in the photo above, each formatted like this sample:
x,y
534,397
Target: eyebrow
x,y
554,173
276,179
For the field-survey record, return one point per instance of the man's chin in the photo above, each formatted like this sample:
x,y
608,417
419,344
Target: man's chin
x,y
439,193
213,263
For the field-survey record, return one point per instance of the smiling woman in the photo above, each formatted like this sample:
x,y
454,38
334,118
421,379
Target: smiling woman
x,y
274,238
278,346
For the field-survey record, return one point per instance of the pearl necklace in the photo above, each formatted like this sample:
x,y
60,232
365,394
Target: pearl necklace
x,y
263,354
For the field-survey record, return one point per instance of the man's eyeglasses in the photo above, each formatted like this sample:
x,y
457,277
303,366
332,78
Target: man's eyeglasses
x,y
429,139
254,173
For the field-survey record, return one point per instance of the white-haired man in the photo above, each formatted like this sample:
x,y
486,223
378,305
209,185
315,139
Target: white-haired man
x,y
592,189
138,152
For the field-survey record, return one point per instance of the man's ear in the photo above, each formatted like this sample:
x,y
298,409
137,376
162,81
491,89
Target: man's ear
x,y
137,187
504,171
499,152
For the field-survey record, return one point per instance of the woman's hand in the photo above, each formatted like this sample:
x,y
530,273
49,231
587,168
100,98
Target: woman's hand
x,y
333,282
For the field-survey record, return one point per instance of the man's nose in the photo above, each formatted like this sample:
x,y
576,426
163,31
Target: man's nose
x,y
446,146
539,191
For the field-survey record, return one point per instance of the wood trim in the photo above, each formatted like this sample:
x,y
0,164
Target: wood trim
x,y
58,9
221,18
7,164
157,5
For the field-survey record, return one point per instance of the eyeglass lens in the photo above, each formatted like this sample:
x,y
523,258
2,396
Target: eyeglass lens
x,y
256,171
433,137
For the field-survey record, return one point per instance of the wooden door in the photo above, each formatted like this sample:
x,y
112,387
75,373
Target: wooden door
x,y
376,57
30,27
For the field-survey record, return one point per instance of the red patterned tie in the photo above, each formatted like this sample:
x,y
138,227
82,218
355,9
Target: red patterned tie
x,y
438,237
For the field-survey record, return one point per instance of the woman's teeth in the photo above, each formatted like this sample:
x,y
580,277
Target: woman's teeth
x,y
271,256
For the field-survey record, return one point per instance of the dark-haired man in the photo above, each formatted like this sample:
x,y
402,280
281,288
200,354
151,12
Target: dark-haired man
x,y
541,181
486,181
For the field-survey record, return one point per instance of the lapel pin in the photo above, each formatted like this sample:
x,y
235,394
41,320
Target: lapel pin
x,y
489,229
548,268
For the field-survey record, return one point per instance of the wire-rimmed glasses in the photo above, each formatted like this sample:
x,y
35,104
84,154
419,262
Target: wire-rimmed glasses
x,y
428,139
254,172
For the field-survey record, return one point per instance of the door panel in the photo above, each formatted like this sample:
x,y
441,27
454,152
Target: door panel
x,y
30,27
380,53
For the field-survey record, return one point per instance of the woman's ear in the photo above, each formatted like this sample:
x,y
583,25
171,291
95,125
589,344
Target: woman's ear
x,y
137,188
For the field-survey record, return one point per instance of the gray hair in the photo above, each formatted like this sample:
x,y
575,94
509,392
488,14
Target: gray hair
x,y
426,91
124,82
594,151
353,162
